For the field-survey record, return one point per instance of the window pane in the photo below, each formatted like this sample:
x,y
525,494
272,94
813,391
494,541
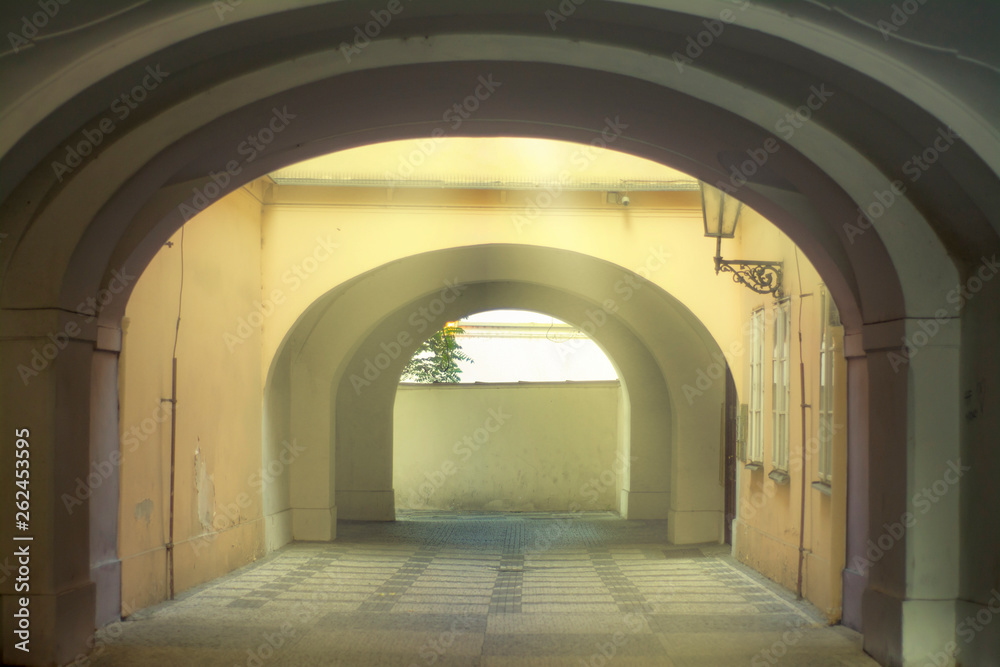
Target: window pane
x,y
756,421
826,361
780,384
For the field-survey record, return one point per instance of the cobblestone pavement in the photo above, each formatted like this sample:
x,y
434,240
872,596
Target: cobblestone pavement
x,y
490,590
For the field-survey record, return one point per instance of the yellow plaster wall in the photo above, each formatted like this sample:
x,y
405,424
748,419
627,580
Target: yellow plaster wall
x,y
660,235
766,533
257,259
217,514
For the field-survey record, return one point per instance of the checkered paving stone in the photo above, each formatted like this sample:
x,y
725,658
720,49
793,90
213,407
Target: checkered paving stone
x,y
509,586
482,590
385,597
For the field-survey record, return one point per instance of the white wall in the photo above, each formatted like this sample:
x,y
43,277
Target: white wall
x,y
506,447
533,360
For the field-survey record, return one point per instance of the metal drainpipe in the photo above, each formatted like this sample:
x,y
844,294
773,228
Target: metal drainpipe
x,y
802,511
173,430
804,405
173,456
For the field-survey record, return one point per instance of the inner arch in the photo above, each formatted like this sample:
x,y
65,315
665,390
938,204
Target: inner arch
x,y
368,320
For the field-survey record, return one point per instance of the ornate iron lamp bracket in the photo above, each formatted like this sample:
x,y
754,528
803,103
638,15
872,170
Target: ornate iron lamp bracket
x,y
761,277
720,222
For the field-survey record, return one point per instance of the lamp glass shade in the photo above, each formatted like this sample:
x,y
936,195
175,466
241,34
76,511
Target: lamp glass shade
x,y
721,213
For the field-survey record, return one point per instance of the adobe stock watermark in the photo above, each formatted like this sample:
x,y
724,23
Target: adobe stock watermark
x,y
434,649
91,308
381,18
224,7
786,126
707,376
605,652
966,630
755,501
961,295
923,501
119,110
271,643
102,470
249,148
625,287
420,319
697,44
293,278
914,169
303,612
464,448
581,159
231,512
591,489
561,13
779,648
455,116
591,492
98,642
899,17
31,24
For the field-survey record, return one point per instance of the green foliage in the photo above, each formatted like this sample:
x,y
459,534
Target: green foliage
x,y
436,360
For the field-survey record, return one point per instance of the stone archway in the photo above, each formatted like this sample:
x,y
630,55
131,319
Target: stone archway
x,y
368,319
113,211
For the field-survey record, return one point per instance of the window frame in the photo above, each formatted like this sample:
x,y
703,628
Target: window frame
x,y
781,390
755,419
827,386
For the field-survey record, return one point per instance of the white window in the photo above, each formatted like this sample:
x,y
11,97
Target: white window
x,y
755,439
827,351
780,388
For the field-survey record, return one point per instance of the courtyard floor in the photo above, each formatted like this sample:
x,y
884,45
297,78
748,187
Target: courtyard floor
x,y
488,590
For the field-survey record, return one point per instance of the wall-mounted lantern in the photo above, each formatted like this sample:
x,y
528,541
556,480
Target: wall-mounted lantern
x,y
721,214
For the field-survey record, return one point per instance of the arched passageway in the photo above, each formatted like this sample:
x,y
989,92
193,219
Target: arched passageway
x,y
609,71
356,328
